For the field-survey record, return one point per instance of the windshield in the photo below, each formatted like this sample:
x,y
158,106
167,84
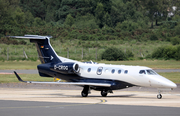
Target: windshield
x,y
151,72
142,72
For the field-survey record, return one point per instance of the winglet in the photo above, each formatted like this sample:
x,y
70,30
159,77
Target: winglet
x,y
19,78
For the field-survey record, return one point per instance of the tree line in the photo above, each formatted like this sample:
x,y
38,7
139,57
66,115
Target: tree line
x,y
92,19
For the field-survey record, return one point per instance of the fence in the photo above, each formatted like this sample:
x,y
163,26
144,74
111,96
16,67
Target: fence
x,y
21,53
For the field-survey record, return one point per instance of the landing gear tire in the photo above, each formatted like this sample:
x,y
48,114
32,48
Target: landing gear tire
x,y
104,93
85,91
159,96
84,94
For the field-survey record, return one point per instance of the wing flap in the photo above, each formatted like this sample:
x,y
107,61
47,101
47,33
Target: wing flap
x,y
65,83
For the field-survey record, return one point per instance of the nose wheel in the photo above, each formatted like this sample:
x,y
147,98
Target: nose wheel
x,y
159,96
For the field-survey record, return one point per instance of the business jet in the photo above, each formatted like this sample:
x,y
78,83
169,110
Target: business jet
x,y
90,75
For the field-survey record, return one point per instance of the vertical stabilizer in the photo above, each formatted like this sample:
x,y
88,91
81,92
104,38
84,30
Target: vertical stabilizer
x,y
45,51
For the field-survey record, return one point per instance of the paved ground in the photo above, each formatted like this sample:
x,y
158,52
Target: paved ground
x,y
21,99
170,99
44,100
26,108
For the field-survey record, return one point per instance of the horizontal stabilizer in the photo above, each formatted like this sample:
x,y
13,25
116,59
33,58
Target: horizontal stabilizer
x,y
65,83
30,37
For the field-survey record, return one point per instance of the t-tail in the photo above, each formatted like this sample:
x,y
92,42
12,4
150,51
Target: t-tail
x,y
45,50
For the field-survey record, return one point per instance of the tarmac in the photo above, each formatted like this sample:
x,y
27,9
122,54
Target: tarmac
x,y
127,97
44,100
22,99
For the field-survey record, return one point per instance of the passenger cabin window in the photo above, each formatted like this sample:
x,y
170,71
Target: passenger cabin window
x,y
119,71
113,71
99,70
126,71
151,72
142,72
106,70
89,70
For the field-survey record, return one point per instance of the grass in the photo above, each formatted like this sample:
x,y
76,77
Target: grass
x,y
11,78
139,49
173,76
12,65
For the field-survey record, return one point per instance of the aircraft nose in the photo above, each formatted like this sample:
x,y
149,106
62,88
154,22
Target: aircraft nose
x,y
169,84
164,82
172,85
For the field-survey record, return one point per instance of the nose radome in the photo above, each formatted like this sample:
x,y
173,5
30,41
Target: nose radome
x,y
173,85
165,83
170,84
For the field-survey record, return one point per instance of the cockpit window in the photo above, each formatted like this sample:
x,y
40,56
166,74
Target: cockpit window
x,y
142,72
151,72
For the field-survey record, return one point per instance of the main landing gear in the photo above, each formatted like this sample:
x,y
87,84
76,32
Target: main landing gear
x,y
159,96
104,93
85,91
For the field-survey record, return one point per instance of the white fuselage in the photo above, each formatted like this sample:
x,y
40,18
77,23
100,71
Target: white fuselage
x,y
133,75
129,74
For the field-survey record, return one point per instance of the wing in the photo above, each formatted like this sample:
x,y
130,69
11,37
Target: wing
x,y
68,83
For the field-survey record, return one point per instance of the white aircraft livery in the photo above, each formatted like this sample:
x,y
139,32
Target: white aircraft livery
x,y
91,75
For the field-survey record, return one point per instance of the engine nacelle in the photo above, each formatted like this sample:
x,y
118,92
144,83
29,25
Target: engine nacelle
x,y
66,68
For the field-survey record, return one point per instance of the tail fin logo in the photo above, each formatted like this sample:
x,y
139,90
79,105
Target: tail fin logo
x,y
52,58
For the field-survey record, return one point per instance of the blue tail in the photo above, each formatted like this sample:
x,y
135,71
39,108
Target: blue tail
x,y
45,51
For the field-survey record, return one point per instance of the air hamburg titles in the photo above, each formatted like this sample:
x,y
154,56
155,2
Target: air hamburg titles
x,y
60,67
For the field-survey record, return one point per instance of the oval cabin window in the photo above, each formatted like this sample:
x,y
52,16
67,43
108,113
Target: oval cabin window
x,y
119,71
113,71
126,71
89,70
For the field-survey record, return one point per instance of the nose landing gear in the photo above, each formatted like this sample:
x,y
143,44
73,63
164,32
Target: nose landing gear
x,y
159,96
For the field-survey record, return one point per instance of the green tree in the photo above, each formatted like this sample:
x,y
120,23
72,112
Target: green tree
x,y
155,9
49,14
38,22
175,7
29,19
36,7
107,19
7,8
86,21
117,10
69,20
113,54
99,14
19,16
